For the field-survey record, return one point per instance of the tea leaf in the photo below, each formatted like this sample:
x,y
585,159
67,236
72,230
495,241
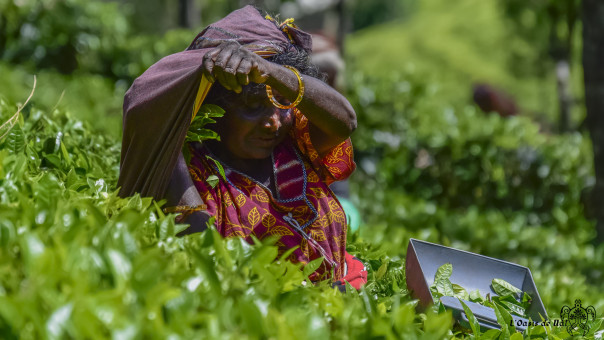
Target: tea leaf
x,y
16,139
460,292
472,319
514,308
443,272
526,300
502,288
504,318
212,180
312,266
56,324
445,287
219,167
516,336
491,334
212,110
382,271
197,131
475,296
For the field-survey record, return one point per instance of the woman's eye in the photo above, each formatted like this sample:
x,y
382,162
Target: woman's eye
x,y
253,106
254,110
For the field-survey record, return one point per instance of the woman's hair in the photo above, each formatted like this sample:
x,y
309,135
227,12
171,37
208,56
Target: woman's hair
x,y
298,58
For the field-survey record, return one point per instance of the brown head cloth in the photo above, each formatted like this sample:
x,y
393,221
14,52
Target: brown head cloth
x,y
158,107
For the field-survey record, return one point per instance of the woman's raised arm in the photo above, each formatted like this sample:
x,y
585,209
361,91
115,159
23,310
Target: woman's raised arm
x,y
331,116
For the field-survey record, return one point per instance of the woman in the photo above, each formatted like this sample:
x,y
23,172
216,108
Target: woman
x,y
284,139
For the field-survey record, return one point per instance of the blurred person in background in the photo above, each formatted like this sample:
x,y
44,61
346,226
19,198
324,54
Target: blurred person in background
x,y
491,99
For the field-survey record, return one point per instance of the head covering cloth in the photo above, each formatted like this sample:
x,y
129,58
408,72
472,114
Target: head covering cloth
x,y
160,104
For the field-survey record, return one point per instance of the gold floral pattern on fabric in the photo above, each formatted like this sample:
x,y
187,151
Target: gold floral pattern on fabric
x,y
318,193
240,200
313,177
227,200
337,165
318,234
261,196
194,174
268,220
253,217
279,230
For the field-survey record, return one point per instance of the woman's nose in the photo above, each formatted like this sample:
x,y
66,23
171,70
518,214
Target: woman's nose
x,y
273,121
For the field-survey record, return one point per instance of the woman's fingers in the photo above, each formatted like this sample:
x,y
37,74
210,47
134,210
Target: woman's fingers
x,y
222,69
257,73
233,66
214,60
230,71
243,71
208,64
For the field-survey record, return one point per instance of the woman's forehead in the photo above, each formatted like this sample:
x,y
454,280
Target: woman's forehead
x,y
250,93
255,93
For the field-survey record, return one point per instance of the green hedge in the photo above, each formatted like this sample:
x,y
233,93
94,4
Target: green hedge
x,y
456,176
81,36
76,261
460,159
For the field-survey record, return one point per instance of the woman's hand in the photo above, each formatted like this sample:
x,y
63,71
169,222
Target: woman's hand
x,y
234,66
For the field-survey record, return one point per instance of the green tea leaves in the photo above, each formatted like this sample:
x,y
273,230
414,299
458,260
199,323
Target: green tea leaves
x,y
219,167
504,318
211,110
212,180
504,304
472,319
460,292
443,272
514,308
199,135
16,140
503,288
444,287
475,296
382,271
120,267
57,324
312,266
197,130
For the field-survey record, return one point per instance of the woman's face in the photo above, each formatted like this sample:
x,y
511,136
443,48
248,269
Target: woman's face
x,y
252,126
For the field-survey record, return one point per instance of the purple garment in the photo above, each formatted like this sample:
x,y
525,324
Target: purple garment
x,y
158,106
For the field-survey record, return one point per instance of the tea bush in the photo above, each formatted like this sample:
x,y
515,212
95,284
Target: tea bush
x,y
455,176
76,261
79,262
81,36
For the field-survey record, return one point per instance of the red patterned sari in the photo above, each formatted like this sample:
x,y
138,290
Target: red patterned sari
x,y
303,213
